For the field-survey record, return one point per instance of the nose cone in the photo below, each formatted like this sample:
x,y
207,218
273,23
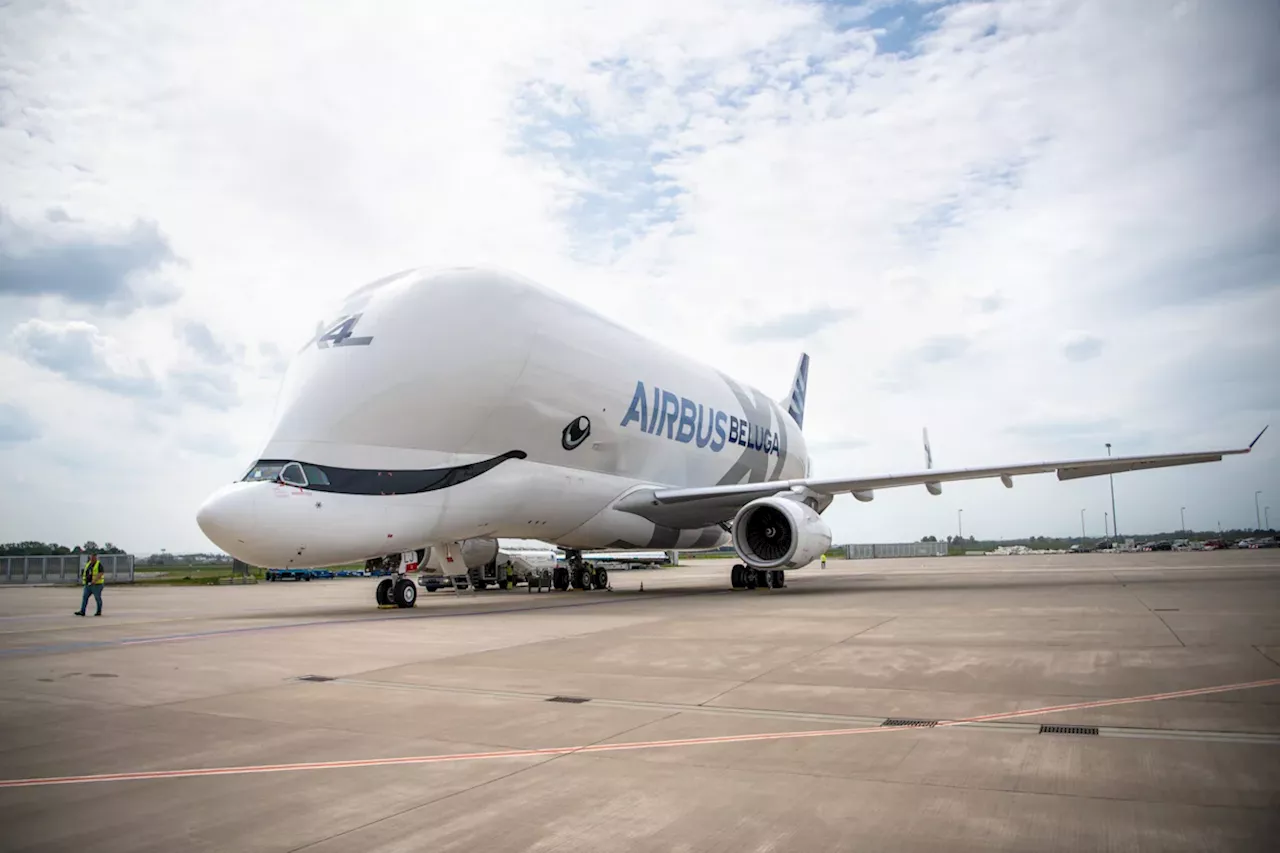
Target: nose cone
x,y
229,518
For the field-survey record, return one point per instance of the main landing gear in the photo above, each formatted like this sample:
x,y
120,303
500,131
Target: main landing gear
x,y
579,574
401,591
746,577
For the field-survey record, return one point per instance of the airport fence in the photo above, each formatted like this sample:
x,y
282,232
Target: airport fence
x,y
63,568
896,549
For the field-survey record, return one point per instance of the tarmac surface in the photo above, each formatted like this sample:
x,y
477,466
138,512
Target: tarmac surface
x,y
713,719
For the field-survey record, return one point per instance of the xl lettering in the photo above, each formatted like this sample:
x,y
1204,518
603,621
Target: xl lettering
x,y
340,334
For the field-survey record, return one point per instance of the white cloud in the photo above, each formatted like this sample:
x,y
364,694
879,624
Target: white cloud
x,y
976,190
78,351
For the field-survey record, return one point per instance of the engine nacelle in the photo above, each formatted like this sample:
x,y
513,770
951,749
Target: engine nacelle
x,y
777,533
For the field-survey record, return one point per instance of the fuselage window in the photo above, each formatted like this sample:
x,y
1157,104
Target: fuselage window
x,y
292,475
268,471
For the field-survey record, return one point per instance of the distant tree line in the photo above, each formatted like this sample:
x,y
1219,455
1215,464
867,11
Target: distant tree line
x,y
1052,543
36,549
164,558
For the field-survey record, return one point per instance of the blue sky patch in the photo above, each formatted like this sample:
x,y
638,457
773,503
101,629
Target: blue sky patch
x,y
901,24
622,191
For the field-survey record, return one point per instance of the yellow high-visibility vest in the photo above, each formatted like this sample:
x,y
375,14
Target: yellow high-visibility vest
x,y
94,574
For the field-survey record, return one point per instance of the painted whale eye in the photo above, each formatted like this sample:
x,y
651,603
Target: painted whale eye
x,y
576,432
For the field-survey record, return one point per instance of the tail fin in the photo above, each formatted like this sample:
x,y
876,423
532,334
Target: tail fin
x,y
795,404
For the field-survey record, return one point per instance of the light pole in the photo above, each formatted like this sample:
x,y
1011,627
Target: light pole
x,y
1104,524
1255,508
1184,519
1081,524
960,522
1114,531
1266,513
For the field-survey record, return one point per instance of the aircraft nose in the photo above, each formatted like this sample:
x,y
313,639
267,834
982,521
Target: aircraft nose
x,y
228,518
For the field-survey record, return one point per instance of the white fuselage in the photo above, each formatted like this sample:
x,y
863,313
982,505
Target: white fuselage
x,y
556,410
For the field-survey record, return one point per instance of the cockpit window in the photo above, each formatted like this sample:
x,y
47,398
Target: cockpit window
x,y
268,471
369,481
292,475
315,476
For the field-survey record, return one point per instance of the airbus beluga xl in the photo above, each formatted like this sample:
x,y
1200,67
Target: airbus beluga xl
x,y
394,432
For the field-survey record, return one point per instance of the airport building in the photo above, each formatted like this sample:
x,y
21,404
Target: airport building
x,y
895,549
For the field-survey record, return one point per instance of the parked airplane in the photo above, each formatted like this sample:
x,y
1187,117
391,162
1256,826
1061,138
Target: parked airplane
x,y
628,558
395,431
528,555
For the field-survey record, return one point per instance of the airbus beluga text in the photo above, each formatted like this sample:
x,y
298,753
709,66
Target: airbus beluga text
x,y
395,433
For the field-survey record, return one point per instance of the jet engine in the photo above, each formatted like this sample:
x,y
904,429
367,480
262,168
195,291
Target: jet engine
x,y
778,533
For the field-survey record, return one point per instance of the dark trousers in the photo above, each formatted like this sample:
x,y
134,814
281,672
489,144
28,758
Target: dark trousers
x,y
96,591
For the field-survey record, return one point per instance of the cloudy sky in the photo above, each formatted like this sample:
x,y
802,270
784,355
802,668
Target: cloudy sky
x,y
1033,227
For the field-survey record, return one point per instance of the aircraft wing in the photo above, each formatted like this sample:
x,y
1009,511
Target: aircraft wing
x,y
701,506
518,559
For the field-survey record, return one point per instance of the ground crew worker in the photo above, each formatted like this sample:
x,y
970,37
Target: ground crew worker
x,y
511,574
824,561
94,579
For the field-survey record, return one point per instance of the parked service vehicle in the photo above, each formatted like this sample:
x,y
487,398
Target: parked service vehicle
x,y
288,574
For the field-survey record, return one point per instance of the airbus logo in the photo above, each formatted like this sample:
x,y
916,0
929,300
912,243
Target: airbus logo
x,y
576,432
681,419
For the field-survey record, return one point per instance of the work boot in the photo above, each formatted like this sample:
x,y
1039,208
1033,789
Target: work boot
x,y
79,612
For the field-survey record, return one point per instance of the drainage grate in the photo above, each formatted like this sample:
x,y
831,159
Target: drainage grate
x,y
572,700
928,724
317,678
1166,610
1068,730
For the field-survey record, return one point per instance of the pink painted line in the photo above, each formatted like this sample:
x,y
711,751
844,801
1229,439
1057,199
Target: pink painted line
x,y
609,747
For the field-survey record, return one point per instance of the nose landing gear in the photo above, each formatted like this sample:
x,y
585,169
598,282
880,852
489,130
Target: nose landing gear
x,y
402,592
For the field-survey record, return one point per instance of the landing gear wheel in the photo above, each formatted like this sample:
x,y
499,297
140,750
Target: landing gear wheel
x,y
581,579
602,579
560,578
736,577
406,593
773,579
750,578
383,592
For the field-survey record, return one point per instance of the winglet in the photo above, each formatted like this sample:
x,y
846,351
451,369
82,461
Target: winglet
x,y
934,488
799,386
1255,441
